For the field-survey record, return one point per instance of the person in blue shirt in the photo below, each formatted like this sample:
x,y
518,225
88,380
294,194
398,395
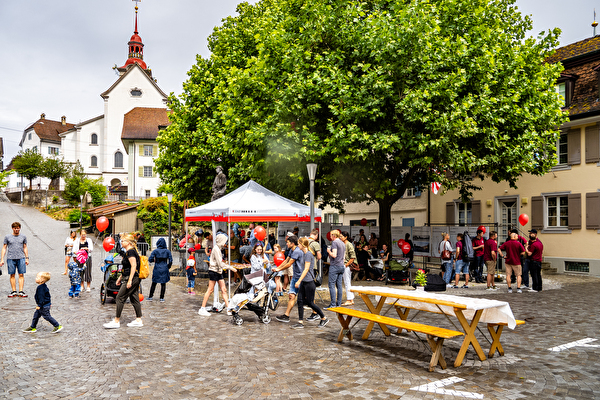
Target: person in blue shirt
x,y
43,301
294,261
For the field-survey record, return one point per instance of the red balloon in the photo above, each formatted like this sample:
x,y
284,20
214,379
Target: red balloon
x,y
405,248
329,236
242,233
481,228
260,233
182,243
278,258
108,243
102,223
141,297
401,243
523,219
363,221
197,246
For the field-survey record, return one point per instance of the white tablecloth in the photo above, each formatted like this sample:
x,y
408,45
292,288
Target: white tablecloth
x,y
494,311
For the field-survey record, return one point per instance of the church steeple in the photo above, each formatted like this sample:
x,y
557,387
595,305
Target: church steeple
x,y
136,49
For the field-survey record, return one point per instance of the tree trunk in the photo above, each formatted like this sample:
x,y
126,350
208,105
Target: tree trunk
x,y
385,223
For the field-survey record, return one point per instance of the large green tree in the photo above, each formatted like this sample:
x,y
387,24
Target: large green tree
x,y
29,164
384,95
53,169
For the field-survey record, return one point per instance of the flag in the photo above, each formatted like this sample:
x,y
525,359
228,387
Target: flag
x,y
435,187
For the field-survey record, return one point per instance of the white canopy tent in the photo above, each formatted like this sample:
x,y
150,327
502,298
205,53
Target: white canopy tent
x,y
250,202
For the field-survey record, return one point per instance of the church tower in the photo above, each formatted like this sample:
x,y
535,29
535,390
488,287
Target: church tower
x,y
135,50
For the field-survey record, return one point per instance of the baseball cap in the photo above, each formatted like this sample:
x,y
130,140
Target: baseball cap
x,y
533,231
289,234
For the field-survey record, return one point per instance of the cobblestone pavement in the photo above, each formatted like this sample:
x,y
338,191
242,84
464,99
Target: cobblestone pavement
x,y
180,355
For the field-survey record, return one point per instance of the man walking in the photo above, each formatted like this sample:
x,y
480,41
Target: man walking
x,y
17,258
534,250
336,253
477,263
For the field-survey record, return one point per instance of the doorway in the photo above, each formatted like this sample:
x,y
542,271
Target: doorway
x,y
508,217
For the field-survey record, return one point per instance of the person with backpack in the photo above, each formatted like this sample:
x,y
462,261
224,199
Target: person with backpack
x,y
462,262
477,263
445,249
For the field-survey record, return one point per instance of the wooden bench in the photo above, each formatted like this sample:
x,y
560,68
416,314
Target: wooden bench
x,y
435,335
495,331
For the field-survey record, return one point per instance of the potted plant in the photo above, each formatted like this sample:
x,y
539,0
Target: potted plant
x,y
421,279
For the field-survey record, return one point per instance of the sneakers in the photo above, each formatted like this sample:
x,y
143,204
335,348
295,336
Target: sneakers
x,y
13,294
465,287
323,322
282,318
192,293
532,291
88,290
454,287
519,291
57,329
203,312
490,288
112,325
297,325
229,312
524,287
495,287
449,285
30,329
313,317
162,300
149,299
135,323
509,290
22,294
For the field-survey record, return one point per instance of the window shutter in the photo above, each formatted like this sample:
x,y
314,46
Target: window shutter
x,y
592,144
141,146
537,212
141,172
476,212
592,210
154,151
574,146
450,213
575,211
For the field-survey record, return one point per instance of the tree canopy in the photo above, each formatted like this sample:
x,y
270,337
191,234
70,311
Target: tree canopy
x,y
383,95
29,164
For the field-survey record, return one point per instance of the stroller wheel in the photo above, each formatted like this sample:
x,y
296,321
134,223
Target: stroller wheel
x,y
103,294
238,320
265,319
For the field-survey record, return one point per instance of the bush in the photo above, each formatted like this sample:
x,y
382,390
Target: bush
x,y
74,217
154,213
54,199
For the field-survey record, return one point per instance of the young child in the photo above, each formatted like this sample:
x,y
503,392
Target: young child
x,y
191,274
75,270
42,299
279,286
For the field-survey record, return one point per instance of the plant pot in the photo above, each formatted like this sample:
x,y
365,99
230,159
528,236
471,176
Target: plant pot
x,y
421,288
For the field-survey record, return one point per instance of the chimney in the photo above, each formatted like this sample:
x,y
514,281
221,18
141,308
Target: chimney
x,y
43,116
63,120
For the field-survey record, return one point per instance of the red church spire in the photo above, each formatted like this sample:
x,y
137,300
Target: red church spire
x,y
135,47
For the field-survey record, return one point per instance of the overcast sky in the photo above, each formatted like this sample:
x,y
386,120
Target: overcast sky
x,y
57,56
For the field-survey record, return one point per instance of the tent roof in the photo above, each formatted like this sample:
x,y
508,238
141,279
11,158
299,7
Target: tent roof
x,y
251,202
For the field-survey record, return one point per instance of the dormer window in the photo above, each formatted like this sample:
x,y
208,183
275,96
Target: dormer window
x,y
561,90
564,87
136,92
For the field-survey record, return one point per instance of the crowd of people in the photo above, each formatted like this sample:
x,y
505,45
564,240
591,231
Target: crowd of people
x,y
523,257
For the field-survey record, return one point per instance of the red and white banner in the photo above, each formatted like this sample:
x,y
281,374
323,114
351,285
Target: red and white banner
x,y
435,187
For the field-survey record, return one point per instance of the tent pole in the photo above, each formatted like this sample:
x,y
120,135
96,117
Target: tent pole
x,y
229,257
321,260
214,235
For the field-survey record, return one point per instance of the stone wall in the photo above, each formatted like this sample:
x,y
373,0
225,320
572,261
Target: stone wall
x,y
36,198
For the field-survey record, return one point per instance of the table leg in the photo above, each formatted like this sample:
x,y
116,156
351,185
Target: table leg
x,y
345,331
436,349
376,311
469,336
403,314
495,334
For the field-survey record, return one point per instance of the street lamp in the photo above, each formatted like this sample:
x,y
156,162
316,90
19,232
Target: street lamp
x,y
80,210
170,199
312,173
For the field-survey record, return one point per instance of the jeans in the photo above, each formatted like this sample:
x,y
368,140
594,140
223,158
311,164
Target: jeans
x,y
525,272
336,273
477,265
75,290
535,269
447,266
45,313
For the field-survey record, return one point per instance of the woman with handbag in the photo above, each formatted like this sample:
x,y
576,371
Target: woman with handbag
x,y
349,264
446,251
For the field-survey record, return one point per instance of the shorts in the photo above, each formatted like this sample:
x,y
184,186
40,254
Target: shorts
x,y
214,276
289,272
491,267
461,267
293,288
513,268
15,265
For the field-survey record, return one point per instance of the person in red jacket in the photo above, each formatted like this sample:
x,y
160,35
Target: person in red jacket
x,y
534,250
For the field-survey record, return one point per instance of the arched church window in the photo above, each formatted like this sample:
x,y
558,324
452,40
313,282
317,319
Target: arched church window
x,y
94,138
94,161
118,159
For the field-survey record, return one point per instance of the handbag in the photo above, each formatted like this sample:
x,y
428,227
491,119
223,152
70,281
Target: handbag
x,y
354,267
318,278
446,255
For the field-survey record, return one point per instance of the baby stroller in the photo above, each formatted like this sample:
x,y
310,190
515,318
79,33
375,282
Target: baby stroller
x,y
257,294
112,272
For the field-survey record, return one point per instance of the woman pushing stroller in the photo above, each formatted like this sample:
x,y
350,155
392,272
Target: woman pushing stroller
x,y
215,274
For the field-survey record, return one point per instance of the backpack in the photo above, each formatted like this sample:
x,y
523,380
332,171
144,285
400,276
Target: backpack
x,y
468,254
144,267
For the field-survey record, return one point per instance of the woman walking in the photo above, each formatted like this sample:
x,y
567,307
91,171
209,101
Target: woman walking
x,y
131,287
162,259
88,246
306,287
215,275
446,262
69,250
